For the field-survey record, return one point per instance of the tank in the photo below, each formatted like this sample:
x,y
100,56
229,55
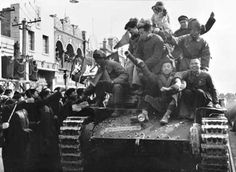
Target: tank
x,y
134,141
95,141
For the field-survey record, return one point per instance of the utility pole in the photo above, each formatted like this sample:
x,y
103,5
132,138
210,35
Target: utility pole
x,y
24,28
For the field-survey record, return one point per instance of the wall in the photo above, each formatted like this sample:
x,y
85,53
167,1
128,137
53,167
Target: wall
x,y
31,11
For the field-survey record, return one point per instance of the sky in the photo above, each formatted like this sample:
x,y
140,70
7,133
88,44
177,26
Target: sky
x,y
107,18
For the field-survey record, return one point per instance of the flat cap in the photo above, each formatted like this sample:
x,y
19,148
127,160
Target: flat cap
x,y
182,17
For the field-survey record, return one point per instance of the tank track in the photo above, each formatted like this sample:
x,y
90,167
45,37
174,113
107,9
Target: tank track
x,y
69,144
214,144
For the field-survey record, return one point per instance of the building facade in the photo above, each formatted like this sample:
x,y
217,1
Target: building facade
x,y
70,49
32,30
6,51
46,48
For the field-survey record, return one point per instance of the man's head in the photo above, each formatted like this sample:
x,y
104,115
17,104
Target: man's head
x,y
144,28
167,66
34,93
158,7
18,96
183,21
195,65
131,26
45,93
31,93
71,94
195,28
99,57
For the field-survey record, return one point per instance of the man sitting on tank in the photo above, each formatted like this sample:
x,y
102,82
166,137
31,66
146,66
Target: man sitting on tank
x,y
111,77
169,87
199,92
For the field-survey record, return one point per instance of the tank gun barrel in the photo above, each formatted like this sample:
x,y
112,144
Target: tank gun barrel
x,y
133,59
141,65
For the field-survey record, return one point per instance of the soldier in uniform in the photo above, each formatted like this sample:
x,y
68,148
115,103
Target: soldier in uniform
x,y
150,47
151,50
184,29
200,90
169,87
192,46
111,77
132,28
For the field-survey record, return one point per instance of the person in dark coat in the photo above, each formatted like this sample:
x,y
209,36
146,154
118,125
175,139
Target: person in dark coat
x,y
184,21
49,159
200,90
131,27
152,51
70,99
184,29
150,47
192,46
15,156
111,77
169,87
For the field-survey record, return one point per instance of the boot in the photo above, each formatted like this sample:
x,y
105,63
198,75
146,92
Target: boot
x,y
165,118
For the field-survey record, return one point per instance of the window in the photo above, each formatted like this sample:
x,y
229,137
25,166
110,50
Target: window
x,y
31,40
45,44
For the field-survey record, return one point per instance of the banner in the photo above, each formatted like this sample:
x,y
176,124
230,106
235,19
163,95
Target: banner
x,y
114,56
33,70
124,40
19,69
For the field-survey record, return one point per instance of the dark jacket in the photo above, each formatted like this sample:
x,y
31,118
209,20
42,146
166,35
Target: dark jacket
x,y
204,28
151,50
202,81
192,49
116,72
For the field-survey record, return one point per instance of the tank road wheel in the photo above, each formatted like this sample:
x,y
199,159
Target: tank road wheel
x,y
69,144
214,144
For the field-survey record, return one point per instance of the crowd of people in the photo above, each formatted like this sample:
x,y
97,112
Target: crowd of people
x,y
170,73
174,71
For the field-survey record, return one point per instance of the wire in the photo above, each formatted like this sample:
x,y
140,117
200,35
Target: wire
x,y
36,11
29,18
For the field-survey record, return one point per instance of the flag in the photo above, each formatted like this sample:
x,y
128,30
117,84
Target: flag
x,y
124,40
114,56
